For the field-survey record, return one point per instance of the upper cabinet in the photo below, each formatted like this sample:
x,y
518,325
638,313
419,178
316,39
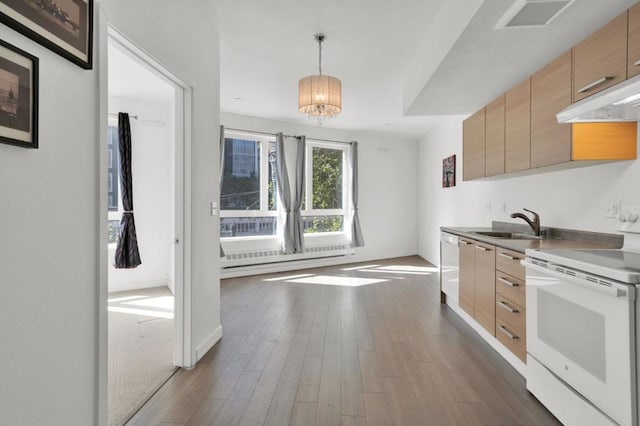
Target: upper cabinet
x,y
518,127
473,146
519,131
633,34
600,60
550,93
494,155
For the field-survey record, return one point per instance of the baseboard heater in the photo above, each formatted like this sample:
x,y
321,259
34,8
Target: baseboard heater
x,y
266,257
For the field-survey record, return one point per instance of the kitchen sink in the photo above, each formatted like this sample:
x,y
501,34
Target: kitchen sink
x,y
508,235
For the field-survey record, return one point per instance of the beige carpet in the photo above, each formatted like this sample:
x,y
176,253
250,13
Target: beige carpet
x,y
140,348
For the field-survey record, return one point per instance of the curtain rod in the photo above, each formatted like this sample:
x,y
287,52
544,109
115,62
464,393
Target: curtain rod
x,y
115,114
288,136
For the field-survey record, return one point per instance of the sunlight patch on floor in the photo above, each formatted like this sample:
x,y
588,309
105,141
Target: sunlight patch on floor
x,y
337,280
355,268
290,277
164,302
403,269
142,312
123,299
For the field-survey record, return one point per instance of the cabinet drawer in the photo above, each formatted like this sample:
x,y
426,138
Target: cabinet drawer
x,y
512,339
510,287
511,314
508,261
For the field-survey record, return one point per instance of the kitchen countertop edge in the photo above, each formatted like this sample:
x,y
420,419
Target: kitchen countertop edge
x,y
520,245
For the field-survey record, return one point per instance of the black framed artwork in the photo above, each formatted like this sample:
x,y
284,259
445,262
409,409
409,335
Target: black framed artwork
x,y
449,172
64,26
18,97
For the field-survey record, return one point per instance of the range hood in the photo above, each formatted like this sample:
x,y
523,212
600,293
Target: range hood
x,y
617,103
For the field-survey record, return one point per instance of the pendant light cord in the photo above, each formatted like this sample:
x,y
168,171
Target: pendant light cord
x,y
320,56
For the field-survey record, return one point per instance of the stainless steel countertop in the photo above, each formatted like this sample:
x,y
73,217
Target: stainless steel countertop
x,y
572,239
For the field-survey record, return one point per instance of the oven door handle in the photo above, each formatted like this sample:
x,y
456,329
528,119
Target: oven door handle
x,y
610,291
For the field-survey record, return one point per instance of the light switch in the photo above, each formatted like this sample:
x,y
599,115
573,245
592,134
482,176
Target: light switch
x,y
214,208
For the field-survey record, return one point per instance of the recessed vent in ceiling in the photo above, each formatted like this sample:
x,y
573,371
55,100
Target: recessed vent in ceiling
x,y
532,13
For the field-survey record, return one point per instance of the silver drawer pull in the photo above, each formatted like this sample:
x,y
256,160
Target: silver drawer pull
x,y
507,307
507,282
594,84
507,333
506,256
465,243
636,64
483,248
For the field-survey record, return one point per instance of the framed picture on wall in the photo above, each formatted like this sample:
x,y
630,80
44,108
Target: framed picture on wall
x,y
449,172
18,97
64,26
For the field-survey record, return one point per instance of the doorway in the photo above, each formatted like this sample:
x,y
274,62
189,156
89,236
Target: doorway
x,y
148,330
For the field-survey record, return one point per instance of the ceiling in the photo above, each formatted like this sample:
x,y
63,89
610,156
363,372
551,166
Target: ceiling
x,y
130,79
401,63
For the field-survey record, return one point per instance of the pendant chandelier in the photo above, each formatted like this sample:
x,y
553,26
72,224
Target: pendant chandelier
x,y
319,96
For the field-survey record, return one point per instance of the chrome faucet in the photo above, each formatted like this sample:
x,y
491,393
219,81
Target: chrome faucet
x,y
534,224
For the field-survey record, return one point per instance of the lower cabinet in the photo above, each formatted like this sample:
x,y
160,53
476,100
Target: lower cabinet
x,y
477,282
467,286
485,281
492,291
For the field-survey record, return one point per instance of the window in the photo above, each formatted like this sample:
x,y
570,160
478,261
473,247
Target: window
x,y
326,187
248,199
113,191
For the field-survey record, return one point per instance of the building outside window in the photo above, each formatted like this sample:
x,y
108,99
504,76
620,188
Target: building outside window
x,y
248,200
113,191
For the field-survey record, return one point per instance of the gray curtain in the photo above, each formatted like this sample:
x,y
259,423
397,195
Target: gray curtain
x,y
221,175
298,194
285,195
357,240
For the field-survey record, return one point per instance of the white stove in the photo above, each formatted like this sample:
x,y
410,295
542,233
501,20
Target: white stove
x,y
582,332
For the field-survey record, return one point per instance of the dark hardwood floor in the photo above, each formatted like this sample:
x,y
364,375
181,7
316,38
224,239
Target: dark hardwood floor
x,y
360,344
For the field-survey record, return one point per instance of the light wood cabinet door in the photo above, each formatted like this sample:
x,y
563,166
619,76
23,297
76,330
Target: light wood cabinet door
x,y
466,288
494,151
485,280
518,127
600,60
633,45
550,94
473,146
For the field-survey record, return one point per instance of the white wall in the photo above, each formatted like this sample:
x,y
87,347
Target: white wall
x,y
182,36
152,151
574,199
387,175
49,239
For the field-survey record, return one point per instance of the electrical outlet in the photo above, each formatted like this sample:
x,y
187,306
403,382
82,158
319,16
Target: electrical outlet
x,y
488,207
613,210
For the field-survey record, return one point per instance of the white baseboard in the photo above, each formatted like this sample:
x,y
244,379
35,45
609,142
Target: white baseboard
x,y
246,271
208,342
515,362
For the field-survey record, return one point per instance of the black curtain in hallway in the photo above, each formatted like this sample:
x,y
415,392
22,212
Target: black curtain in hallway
x,y
127,253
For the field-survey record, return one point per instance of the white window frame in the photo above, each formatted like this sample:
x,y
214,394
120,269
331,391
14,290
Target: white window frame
x,y
346,187
264,211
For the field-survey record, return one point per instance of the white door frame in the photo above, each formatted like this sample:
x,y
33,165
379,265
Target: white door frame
x,y
183,347
182,237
